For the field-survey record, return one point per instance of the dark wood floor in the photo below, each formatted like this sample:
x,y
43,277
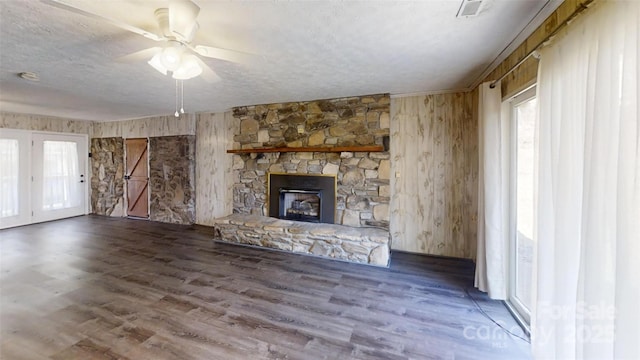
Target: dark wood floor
x,y
106,288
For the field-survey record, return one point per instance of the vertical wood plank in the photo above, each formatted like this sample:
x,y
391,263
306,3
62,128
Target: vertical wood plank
x,y
437,246
411,173
396,152
426,198
472,159
457,174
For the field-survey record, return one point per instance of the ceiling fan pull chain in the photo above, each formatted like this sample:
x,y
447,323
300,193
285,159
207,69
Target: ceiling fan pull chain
x,y
176,114
181,96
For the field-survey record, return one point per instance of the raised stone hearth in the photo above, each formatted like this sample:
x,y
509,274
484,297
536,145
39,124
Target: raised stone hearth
x,y
360,245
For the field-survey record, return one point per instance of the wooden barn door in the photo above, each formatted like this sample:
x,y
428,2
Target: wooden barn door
x,y
137,178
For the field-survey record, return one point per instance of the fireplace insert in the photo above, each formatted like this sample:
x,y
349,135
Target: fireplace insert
x,y
310,198
301,205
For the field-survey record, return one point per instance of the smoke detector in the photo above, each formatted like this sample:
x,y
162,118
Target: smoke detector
x,y
28,75
469,8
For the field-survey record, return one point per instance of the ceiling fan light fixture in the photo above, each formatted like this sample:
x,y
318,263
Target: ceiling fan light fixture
x,y
171,57
189,68
156,63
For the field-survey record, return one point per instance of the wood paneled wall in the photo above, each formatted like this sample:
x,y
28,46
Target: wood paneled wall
x,y
214,167
434,174
44,123
147,127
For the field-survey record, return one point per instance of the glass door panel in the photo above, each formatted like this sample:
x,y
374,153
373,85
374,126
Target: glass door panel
x,y
61,186
14,174
9,178
60,183
522,243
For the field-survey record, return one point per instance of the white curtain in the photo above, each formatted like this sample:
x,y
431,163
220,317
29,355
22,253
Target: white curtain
x,y
9,173
61,177
493,194
588,211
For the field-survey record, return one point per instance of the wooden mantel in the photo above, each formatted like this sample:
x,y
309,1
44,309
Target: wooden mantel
x,y
367,148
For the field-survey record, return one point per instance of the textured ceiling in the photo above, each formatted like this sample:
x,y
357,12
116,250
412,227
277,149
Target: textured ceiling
x,y
305,50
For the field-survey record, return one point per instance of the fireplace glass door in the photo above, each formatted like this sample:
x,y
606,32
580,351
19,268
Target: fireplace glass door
x,y
302,205
302,197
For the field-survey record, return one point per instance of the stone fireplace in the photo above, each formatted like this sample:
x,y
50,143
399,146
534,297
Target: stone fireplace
x,y
313,178
310,198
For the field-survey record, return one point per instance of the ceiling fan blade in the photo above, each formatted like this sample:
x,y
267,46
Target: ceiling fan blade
x,y
208,74
61,5
182,19
224,54
142,55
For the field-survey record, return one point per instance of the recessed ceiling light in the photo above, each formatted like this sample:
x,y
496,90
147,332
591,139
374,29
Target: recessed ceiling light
x,y
28,75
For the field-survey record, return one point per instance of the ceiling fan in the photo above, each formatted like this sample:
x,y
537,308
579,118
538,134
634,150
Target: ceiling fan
x,y
178,26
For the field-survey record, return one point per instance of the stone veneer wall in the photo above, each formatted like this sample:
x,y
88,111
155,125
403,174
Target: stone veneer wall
x,y
363,177
172,179
107,176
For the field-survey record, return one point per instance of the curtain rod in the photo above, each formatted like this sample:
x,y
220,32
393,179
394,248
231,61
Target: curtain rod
x,y
583,6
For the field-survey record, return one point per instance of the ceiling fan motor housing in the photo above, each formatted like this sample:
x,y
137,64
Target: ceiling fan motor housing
x,y
183,16
162,16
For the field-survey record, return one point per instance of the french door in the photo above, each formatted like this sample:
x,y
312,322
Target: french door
x,y
44,176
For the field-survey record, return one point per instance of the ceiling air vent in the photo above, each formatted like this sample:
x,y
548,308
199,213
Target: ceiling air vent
x,y
469,8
